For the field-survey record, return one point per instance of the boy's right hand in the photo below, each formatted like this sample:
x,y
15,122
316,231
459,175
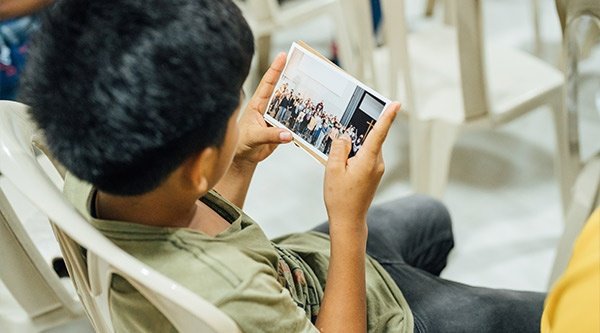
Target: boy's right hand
x,y
350,184
257,139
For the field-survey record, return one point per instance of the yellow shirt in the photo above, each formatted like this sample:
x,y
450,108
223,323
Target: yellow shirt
x,y
573,304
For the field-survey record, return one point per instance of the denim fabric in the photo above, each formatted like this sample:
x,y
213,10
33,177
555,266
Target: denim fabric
x,y
411,239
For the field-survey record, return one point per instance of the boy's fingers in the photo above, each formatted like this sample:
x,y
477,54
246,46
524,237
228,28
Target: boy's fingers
x,y
271,135
377,136
267,83
338,156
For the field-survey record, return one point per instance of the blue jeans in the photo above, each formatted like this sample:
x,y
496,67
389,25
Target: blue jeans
x,y
411,239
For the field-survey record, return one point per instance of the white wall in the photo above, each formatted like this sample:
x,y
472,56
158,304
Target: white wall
x,y
318,81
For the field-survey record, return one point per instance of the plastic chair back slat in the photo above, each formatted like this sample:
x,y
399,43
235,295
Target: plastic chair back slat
x,y
32,282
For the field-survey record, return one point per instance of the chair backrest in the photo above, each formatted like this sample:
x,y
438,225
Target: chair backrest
x,y
471,51
586,188
568,10
95,300
29,278
585,199
187,311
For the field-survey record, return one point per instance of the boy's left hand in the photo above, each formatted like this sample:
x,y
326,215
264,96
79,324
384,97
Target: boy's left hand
x,y
258,140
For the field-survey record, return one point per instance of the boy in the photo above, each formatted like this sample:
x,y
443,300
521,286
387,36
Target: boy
x,y
145,113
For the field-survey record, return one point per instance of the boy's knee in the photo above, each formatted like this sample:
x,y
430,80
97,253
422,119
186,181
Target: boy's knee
x,y
418,210
433,209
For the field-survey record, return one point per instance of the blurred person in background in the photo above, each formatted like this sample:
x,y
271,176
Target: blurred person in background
x,y
573,304
17,22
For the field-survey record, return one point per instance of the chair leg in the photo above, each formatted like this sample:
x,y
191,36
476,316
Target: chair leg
x,y
450,8
443,137
538,45
580,208
429,8
431,152
566,160
398,55
252,80
393,76
563,252
350,13
344,39
574,223
420,137
263,45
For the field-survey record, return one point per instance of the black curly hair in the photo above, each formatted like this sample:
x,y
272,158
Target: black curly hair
x,y
126,90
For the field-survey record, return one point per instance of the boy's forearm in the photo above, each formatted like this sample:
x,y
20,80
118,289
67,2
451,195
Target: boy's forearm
x,y
15,8
236,182
344,306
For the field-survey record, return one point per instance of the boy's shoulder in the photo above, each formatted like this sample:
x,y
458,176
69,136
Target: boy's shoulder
x,y
243,284
206,266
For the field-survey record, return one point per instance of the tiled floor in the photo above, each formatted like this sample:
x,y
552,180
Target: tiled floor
x,y
502,194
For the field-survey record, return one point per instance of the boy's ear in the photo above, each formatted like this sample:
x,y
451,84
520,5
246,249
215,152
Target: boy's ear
x,y
198,170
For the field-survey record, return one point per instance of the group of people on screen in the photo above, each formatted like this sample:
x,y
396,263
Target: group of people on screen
x,y
310,121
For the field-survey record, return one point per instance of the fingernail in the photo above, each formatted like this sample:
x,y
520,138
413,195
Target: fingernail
x,y
285,136
345,137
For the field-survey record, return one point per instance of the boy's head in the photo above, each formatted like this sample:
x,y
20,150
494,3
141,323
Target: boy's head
x,y
125,91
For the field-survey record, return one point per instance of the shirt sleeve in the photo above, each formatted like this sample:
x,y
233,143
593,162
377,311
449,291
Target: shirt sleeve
x,y
574,302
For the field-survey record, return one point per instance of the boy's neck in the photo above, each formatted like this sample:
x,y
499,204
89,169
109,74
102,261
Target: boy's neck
x,y
154,208
161,210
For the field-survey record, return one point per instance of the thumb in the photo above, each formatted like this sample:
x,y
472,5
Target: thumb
x,y
271,135
338,156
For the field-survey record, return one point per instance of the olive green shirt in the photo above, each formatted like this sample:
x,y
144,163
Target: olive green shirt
x,y
263,286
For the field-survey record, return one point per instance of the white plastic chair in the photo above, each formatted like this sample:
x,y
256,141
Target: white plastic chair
x,y
586,196
30,279
266,17
187,311
586,191
450,18
452,81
